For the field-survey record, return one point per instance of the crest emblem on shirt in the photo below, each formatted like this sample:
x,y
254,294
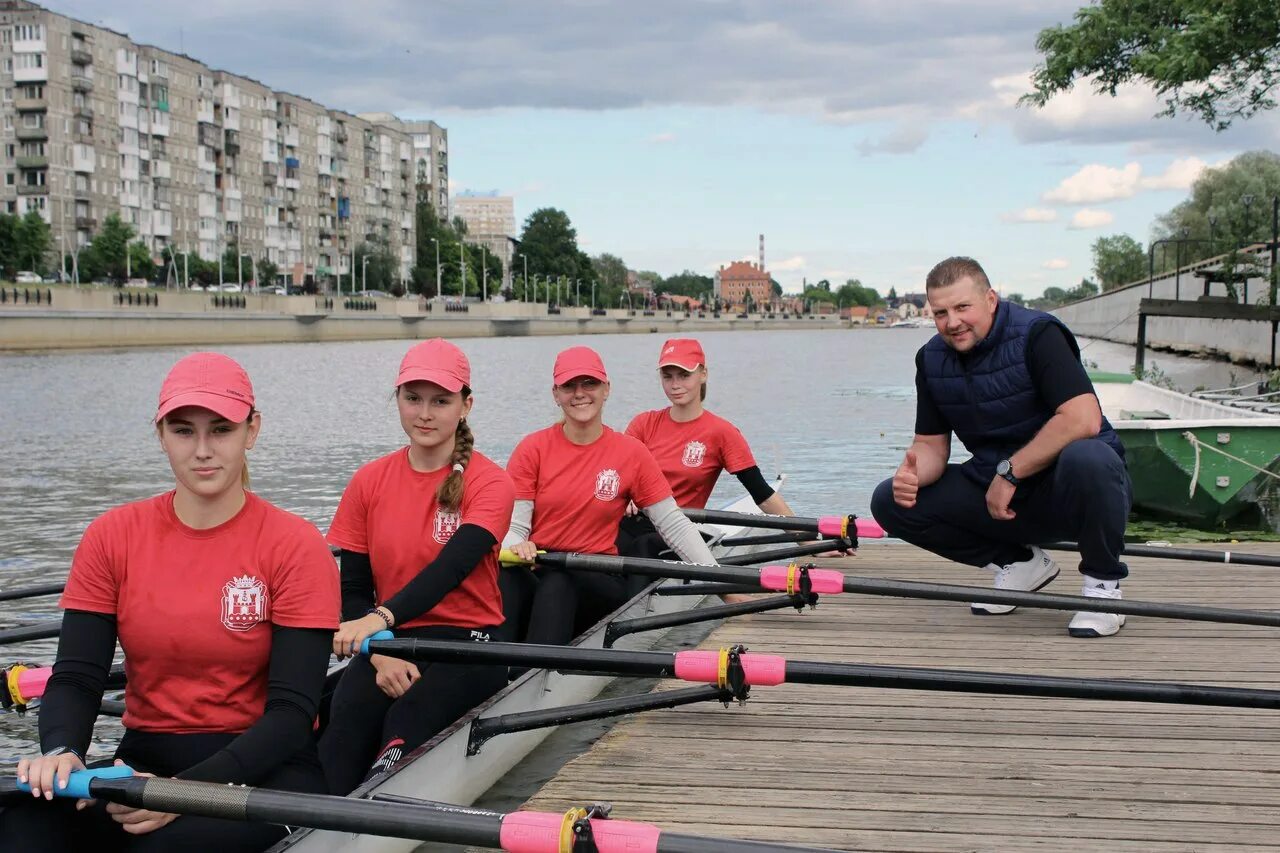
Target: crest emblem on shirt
x,y
607,484
694,453
244,603
445,525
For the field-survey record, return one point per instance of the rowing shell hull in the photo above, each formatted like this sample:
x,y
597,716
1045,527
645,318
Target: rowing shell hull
x,y
441,770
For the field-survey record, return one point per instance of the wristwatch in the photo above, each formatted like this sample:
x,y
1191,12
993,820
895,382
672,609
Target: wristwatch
x,y
1005,469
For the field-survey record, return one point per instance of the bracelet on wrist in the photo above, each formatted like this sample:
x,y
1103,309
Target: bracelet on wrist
x,y
382,613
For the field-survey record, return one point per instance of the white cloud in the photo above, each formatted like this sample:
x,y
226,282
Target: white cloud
x,y
1056,264
1091,218
1031,214
1096,183
1178,175
907,139
791,264
661,138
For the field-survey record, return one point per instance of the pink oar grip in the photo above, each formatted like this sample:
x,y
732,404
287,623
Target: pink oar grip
x,y
539,832
704,666
827,581
31,682
866,528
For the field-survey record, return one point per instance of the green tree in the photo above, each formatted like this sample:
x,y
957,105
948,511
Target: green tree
x,y
104,256
687,283
9,260
853,292
893,294
609,272
141,264
1017,298
776,287
379,271
267,272
550,243
34,240
1216,59
1117,260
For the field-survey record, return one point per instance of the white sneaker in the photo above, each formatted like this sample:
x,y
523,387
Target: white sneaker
x,y
1088,624
1026,576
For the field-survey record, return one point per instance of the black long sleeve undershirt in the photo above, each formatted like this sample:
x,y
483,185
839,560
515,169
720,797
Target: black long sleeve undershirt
x,y
295,678
456,560
755,484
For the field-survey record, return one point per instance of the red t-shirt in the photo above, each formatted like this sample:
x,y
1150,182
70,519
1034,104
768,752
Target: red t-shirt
x,y
194,608
692,454
580,492
389,511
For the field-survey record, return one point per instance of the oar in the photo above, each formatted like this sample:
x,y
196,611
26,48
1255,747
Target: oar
x,y
834,526
38,631
792,580
1168,553
20,684
31,591
735,668
528,832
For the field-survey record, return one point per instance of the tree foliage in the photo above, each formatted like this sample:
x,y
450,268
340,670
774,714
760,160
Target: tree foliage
x,y
550,243
1118,260
1216,59
1055,296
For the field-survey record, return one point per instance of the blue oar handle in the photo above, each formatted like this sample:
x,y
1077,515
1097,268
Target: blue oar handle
x,y
78,781
381,635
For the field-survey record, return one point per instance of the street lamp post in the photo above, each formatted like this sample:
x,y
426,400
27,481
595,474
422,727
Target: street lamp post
x,y
484,273
525,258
364,273
593,297
462,270
437,242
577,293
1247,201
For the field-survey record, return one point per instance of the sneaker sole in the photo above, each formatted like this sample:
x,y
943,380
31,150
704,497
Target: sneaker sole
x,y
977,609
1093,633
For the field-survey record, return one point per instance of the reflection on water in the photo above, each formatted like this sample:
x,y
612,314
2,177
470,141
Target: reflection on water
x,y
834,409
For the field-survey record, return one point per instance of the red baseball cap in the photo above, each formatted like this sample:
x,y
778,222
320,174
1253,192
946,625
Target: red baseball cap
x,y
578,361
685,353
211,381
436,361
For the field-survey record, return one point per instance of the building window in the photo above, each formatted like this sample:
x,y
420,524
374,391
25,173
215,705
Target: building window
x,y
8,179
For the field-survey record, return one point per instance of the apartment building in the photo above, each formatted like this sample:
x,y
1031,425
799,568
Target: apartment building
x,y
199,159
491,222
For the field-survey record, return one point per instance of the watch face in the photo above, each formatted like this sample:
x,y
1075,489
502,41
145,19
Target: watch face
x,y
1004,467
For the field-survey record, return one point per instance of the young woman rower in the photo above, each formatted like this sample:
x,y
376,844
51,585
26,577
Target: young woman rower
x,y
419,531
225,607
573,481
692,446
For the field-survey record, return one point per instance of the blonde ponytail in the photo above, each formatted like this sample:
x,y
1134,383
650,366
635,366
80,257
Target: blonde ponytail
x,y
449,495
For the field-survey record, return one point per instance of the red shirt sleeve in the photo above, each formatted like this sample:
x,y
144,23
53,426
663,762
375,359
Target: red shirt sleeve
x,y
522,468
651,485
734,449
304,582
488,502
95,576
636,429
349,529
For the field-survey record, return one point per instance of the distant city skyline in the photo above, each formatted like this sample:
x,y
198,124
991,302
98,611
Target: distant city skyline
x,y
865,140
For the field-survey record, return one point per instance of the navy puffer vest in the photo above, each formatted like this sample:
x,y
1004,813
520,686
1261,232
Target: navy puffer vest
x,y
987,395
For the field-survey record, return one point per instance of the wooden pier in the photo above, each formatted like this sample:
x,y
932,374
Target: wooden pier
x,y
875,769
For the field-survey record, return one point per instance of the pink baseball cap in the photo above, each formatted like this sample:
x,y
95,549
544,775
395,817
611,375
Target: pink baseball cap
x,y
685,353
211,381
436,361
578,361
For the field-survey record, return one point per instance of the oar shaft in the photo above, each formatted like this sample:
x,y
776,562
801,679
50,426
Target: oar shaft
x,y
744,519
1161,552
31,592
38,631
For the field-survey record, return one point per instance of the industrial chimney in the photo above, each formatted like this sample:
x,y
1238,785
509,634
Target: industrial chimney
x,y
761,251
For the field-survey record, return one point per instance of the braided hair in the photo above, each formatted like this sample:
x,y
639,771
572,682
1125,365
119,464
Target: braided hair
x,y
450,492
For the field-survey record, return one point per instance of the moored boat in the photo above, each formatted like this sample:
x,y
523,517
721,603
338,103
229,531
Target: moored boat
x,y
1193,460
444,768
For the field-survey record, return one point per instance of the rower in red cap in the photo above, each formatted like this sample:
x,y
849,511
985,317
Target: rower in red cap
x,y
692,446
225,607
573,482
419,531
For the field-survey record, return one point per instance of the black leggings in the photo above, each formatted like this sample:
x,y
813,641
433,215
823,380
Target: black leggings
x,y
368,731
567,602
57,826
637,537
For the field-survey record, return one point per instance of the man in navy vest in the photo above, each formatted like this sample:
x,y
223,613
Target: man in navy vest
x,y
1008,382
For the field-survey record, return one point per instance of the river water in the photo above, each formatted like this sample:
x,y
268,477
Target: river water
x,y
833,409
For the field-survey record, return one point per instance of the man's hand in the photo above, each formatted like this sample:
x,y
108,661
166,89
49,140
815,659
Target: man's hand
x,y
906,482
999,495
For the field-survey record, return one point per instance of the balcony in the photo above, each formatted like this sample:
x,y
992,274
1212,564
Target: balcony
x,y
233,143
86,223
81,82
270,172
30,105
81,55
32,161
32,189
31,134
82,191
209,136
83,111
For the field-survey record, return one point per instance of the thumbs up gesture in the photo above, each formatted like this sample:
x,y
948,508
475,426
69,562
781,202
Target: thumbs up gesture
x,y
906,482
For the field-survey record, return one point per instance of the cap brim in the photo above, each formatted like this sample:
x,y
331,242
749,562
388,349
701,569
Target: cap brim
x,y
445,380
568,375
672,363
236,411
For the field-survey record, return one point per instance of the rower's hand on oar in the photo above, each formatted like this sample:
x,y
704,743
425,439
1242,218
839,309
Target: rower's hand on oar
x,y
394,676
999,495
906,482
44,772
135,821
526,550
350,634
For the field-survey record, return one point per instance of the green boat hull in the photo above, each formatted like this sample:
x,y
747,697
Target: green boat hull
x,y
1227,493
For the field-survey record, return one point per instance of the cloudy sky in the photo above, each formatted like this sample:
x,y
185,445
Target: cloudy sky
x,y
863,138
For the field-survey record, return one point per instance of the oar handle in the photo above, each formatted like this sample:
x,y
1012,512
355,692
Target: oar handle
x,y
787,579
78,781
380,635
837,527
539,832
507,557
24,683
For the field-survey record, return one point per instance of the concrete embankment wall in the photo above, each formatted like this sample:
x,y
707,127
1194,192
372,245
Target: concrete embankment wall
x,y
79,318
1113,316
